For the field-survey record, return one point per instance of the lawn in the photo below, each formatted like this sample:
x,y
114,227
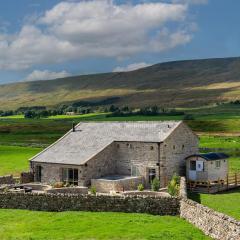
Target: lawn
x,y
22,224
226,202
14,159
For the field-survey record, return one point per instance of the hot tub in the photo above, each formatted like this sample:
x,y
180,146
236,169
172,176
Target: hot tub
x,y
116,183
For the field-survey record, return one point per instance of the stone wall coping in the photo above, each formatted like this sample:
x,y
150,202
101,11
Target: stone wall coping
x,y
89,195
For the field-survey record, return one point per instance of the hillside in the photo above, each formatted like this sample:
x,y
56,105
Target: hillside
x,y
171,84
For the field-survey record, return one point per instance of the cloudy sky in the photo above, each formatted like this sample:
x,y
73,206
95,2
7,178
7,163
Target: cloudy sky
x,y
49,39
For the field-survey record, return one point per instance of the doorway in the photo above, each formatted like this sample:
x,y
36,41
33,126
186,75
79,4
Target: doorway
x,y
38,173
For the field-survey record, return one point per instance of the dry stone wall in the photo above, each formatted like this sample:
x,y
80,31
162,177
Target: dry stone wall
x,y
73,202
214,224
7,179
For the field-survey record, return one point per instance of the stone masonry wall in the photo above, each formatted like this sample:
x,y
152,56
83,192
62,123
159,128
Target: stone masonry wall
x,y
214,224
179,145
105,186
64,202
7,179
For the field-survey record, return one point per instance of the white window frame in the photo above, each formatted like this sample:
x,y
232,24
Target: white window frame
x,y
65,176
218,164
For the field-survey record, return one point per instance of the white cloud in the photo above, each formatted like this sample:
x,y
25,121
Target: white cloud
x,y
191,1
46,75
131,67
75,30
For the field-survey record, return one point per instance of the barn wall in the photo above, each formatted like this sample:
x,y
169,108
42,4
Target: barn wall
x,y
179,145
138,154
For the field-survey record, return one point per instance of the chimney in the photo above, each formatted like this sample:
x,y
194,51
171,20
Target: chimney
x,y
73,126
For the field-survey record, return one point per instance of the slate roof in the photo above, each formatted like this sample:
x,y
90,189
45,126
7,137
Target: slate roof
x,y
90,138
212,156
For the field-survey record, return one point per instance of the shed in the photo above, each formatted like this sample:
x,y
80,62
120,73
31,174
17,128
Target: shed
x,y
207,167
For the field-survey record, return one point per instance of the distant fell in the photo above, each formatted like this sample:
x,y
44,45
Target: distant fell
x,y
172,84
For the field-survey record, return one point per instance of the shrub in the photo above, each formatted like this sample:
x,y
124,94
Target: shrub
x,y
173,186
140,187
188,117
58,185
93,190
155,184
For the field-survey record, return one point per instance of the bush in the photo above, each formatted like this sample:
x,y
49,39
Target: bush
x,y
188,117
155,184
58,185
140,187
173,186
93,190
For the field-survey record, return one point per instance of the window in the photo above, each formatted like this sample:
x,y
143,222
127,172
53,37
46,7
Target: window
x,y
174,147
151,148
193,165
70,175
183,147
218,164
135,171
151,174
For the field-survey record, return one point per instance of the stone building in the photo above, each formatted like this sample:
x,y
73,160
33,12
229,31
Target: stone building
x,y
117,151
207,167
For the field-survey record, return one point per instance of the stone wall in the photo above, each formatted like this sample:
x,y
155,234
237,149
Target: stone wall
x,y
7,179
179,145
66,202
68,190
214,224
104,185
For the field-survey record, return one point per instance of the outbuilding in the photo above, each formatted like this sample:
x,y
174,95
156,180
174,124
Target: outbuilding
x,y
207,167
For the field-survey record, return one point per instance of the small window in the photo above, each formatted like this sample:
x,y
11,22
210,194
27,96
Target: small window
x,y
183,147
193,165
174,147
218,164
151,147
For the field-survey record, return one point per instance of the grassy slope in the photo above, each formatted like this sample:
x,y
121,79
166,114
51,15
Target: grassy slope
x,y
14,159
18,224
183,83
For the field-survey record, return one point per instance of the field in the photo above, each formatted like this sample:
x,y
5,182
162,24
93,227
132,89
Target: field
x,y
20,224
14,159
22,138
226,202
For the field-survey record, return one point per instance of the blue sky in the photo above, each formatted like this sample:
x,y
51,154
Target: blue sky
x,y
48,39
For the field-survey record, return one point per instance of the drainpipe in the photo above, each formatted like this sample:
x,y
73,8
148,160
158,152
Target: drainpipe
x,y
159,161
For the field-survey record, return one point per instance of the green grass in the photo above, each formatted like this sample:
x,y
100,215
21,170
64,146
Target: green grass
x,y
226,202
14,159
231,142
21,224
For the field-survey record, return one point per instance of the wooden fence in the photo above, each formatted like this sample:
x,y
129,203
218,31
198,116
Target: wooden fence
x,y
232,180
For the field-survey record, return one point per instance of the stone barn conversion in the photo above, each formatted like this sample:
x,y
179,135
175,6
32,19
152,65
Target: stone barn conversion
x,y
117,155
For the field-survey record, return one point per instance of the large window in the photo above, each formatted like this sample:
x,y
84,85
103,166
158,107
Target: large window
x,y
70,175
135,171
